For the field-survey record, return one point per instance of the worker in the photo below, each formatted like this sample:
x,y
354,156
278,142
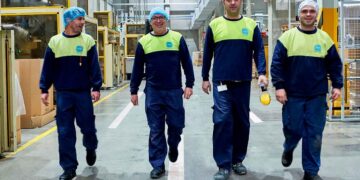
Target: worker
x,y
303,59
71,65
163,52
234,41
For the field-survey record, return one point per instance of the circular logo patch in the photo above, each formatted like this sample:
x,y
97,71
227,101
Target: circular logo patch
x,y
245,31
169,44
317,48
79,49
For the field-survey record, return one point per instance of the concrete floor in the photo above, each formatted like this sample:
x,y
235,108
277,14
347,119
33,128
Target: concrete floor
x,y
123,153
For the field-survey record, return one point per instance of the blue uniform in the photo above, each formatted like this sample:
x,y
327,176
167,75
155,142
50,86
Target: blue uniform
x,y
233,43
302,63
71,64
163,56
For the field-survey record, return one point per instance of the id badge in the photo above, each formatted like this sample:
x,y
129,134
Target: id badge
x,y
221,87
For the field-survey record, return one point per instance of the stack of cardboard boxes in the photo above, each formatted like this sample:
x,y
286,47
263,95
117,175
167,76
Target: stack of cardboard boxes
x,y
37,114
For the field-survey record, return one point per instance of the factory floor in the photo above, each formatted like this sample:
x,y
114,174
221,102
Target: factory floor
x,y
123,144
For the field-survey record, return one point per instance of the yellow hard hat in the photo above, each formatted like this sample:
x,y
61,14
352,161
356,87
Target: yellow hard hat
x,y
265,98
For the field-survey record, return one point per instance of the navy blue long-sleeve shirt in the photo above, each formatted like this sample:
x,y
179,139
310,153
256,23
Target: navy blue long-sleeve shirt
x,y
234,44
303,61
71,64
163,57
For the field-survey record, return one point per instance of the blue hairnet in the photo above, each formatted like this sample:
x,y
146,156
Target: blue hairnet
x,y
308,3
159,11
73,13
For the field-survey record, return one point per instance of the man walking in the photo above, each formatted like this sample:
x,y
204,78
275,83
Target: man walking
x,y
234,41
71,64
163,52
303,59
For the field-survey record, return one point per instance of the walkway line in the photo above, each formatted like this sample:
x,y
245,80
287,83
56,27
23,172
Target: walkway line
x,y
51,130
32,141
176,169
123,114
111,94
255,118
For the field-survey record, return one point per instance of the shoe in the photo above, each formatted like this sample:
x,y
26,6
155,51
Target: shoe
x,y
222,174
308,176
173,154
287,158
90,157
157,173
68,175
239,168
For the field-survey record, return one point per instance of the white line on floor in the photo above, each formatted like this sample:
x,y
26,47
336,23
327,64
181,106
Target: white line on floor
x,y
176,170
254,118
123,114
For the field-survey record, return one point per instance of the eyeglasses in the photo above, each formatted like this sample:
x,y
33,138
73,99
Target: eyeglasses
x,y
161,18
306,11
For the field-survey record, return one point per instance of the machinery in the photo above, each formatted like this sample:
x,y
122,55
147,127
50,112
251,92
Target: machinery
x,y
329,13
37,21
109,49
91,28
109,56
105,18
34,28
91,25
133,33
12,3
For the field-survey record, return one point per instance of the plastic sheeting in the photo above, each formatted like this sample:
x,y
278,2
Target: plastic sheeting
x,y
19,104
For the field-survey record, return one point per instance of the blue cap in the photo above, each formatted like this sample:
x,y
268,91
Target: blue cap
x,y
159,11
73,13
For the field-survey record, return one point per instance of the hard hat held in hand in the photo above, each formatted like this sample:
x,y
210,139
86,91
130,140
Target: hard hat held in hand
x,y
265,98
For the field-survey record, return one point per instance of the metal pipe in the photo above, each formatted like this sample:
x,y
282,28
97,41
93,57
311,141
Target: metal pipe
x,y
159,4
342,26
289,15
270,35
8,27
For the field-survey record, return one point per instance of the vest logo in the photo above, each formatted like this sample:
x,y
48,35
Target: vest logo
x,y
169,44
79,49
245,31
317,48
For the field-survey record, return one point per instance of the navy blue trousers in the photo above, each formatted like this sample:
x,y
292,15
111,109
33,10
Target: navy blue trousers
x,y
305,117
163,106
71,106
231,123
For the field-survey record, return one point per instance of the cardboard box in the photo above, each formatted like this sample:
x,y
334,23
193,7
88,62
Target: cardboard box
x,y
18,136
18,130
39,121
29,71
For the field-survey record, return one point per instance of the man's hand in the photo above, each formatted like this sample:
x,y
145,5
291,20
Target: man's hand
x,y
336,93
263,80
134,99
206,87
188,92
44,98
95,95
281,96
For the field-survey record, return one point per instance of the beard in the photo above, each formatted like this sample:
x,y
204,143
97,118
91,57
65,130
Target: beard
x,y
77,29
308,23
233,13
